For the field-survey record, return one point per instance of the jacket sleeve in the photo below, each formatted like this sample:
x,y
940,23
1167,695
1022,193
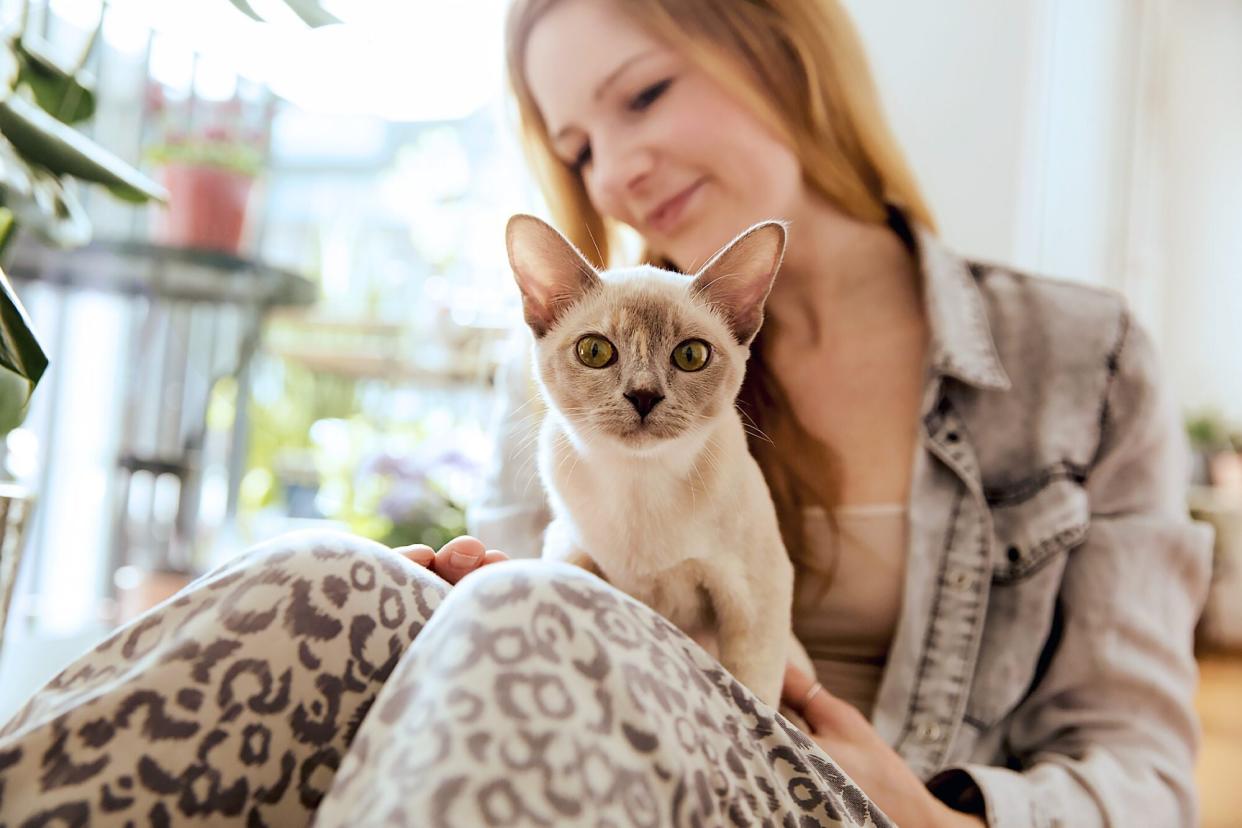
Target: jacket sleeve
x,y
1109,735
511,510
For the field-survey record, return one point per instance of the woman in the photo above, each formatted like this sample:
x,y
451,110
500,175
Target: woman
x,y
975,472
1014,608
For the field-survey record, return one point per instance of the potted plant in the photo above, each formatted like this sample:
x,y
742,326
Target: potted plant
x,y
209,176
42,157
1215,448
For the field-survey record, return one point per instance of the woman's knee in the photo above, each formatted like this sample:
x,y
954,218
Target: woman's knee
x,y
336,571
512,581
320,553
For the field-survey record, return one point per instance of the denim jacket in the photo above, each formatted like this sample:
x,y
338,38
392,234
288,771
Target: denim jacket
x,y
1042,671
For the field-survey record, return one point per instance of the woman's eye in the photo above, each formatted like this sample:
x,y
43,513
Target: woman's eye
x,y
582,158
649,95
692,355
595,351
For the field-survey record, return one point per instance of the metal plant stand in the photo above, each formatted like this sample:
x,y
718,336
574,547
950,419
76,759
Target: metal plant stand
x,y
14,514
196,318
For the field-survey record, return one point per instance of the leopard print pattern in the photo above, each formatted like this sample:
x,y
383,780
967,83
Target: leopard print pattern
x,y
325,678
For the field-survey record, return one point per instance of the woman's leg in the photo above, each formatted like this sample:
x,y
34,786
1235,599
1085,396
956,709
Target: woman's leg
x,y
539,695
235,700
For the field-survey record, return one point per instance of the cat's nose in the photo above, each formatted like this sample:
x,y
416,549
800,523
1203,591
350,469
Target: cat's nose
x,y
643,401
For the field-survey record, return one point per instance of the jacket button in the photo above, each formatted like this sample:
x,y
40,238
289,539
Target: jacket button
x,y
929,732
1014,554
960,579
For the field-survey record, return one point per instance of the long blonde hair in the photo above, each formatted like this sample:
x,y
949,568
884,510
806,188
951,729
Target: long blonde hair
x,y
799,66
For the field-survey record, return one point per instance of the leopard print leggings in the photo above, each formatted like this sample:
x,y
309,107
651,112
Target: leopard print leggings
x,y
325,678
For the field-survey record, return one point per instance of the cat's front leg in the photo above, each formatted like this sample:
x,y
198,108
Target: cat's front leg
x,y
583,560
753,632
558,545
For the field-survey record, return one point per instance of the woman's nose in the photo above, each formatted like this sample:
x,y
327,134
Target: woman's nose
x,y
623,172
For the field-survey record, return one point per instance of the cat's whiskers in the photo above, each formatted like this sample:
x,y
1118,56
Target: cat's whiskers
x,y
572,452
592,429
531,400
598,255
751,427
702,483
527,421
713,459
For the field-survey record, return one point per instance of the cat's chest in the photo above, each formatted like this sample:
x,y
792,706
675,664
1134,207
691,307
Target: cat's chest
x,y
677,593
652,522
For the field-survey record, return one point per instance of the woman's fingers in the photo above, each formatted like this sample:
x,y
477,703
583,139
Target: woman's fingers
x,y
458,558
492,556
822,711
797,685
419,553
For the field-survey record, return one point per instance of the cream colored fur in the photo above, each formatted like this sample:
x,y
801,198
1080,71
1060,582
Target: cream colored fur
x,y
668,506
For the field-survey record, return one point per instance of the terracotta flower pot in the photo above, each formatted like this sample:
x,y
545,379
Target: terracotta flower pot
x,y
206,208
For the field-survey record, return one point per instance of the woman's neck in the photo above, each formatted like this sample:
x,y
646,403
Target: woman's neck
x,y
843,279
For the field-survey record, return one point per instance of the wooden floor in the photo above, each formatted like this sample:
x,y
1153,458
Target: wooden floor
x,y
1220,761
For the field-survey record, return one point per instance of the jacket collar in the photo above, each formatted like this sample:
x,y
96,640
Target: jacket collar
x,y
961,339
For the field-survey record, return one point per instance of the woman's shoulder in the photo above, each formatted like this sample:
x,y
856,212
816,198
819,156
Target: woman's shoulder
x,y
1041,324
1081,371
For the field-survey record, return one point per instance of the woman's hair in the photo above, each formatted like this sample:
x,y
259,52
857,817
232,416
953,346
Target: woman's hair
x,y
800,67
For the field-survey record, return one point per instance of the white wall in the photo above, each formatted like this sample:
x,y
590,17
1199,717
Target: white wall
x,y
1097,141
1201,293
953,76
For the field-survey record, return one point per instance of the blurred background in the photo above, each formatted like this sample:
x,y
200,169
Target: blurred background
x,y
307,332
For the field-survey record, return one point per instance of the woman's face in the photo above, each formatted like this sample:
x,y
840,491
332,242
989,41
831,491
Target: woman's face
x,y
659,145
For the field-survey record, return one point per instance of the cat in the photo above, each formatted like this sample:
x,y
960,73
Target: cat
x,y
642,451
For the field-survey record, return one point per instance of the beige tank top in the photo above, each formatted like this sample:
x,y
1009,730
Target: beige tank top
x,y
847,599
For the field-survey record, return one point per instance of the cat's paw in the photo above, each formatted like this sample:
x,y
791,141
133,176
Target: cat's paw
x,y
584,561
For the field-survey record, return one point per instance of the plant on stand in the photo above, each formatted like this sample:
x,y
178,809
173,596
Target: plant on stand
x,y
209,173
42,159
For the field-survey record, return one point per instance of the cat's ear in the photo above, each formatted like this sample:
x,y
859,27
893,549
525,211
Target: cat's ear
x,y
550,271
737,279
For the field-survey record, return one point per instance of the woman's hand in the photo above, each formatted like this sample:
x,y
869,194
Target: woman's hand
x,y
456,559
850,740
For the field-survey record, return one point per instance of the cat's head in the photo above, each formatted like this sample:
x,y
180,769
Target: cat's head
x,y
640,356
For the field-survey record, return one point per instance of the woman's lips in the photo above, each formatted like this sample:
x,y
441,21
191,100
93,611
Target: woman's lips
x,y
665,217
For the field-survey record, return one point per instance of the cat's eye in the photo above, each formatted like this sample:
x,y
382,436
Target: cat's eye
x,y
692,355
594,351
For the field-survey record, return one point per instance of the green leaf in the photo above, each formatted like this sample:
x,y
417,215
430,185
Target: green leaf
x,y
19,348
64,151
127,193
246,9
9,68
311,12
15,182
64,94
32,196
14,394
54,211
7,228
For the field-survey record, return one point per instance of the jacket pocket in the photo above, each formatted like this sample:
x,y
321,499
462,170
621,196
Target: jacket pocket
x,y
1032,539
1031,533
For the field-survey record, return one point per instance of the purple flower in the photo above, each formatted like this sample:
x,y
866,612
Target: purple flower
x,y
405,499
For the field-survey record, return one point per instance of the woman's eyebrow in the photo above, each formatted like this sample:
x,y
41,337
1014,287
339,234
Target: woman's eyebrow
x,y
608,81
616,73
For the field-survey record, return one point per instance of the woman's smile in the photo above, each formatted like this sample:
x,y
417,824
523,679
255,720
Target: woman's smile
x,y
669,214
